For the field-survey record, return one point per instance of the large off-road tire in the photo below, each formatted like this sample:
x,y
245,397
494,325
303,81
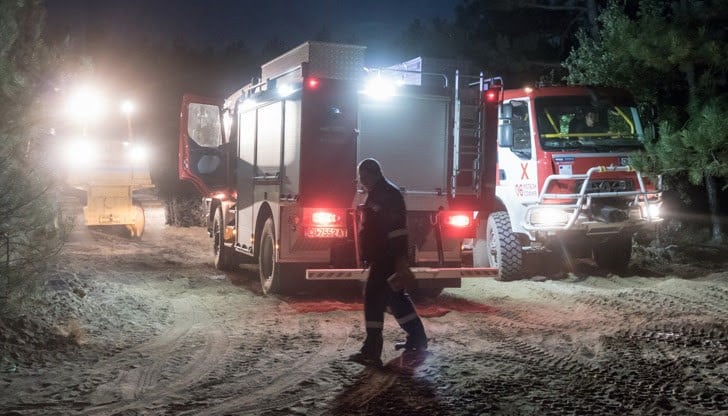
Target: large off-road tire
x,y
224,256
268,266
614,254
502,248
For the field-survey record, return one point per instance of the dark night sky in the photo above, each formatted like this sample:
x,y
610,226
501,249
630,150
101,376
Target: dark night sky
x,y
218,22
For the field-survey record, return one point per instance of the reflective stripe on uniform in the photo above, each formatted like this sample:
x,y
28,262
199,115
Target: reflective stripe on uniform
x,y
397,233
374,325
403,320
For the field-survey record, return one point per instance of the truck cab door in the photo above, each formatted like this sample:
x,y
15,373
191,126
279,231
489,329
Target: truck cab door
x,y
203,151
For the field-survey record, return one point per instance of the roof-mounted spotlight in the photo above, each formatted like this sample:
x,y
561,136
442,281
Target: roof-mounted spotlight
x,y
379,87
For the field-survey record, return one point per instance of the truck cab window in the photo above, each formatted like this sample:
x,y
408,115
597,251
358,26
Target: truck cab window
x,y
521,127
576,122
203,125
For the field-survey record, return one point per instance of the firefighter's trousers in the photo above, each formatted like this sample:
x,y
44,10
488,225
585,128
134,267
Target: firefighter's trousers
x,y
378,295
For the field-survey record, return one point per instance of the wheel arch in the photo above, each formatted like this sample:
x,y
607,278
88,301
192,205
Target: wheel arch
x,y
224,206
498,205
264,212
501,205
214,205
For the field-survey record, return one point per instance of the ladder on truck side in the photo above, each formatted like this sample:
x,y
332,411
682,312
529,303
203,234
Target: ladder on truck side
x,y
468,134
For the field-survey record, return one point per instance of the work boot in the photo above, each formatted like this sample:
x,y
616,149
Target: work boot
x,y
416,337
412,344
370,353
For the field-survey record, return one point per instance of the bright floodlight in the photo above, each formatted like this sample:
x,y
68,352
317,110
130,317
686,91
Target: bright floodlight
x,y
86,104
127,107
379,87
138,153
81,153
284,90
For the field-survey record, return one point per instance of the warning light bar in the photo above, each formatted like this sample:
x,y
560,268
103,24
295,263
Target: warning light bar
x,y
492,95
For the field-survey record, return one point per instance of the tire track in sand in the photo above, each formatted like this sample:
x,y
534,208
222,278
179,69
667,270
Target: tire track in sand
x,y
279,382
192,346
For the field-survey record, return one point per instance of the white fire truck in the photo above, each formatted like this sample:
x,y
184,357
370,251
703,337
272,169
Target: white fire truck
x,y
276,163
563,180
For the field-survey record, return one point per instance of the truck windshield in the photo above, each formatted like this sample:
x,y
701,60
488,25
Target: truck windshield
x,y
568,123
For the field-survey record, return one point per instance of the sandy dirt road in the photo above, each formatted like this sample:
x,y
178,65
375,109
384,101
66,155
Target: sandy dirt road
x,y
150,327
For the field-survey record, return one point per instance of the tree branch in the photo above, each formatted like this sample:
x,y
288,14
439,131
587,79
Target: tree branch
x,y
544,64
23,204
581,9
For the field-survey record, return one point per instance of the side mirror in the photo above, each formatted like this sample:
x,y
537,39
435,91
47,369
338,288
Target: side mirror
x,y
505,129
505,135
505,112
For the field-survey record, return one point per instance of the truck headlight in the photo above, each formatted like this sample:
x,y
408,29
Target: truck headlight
x,y
651,210
549,217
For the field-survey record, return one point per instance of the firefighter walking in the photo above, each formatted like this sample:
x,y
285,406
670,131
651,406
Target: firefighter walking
x,y
384,243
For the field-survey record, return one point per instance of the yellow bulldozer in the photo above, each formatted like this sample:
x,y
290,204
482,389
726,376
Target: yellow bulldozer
x,y
106,161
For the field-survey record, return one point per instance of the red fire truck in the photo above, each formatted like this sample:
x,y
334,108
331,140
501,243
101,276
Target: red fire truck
x,y
276,163
564,184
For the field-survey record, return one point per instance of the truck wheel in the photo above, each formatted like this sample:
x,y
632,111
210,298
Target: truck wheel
x,y
503,249
614,254
224,255
269,269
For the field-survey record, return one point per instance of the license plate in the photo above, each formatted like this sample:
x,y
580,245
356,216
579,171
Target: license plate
x,y
325,232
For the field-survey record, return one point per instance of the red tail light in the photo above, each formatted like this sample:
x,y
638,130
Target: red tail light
x,y
324,223
459,220
457,224
324,218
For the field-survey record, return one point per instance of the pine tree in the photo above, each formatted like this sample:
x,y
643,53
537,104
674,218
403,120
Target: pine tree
x,y
27,182
673,55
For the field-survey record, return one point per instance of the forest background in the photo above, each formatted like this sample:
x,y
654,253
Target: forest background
x,y
672,55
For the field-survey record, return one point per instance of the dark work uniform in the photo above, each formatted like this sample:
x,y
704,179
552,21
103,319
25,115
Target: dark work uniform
x,y
384,239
